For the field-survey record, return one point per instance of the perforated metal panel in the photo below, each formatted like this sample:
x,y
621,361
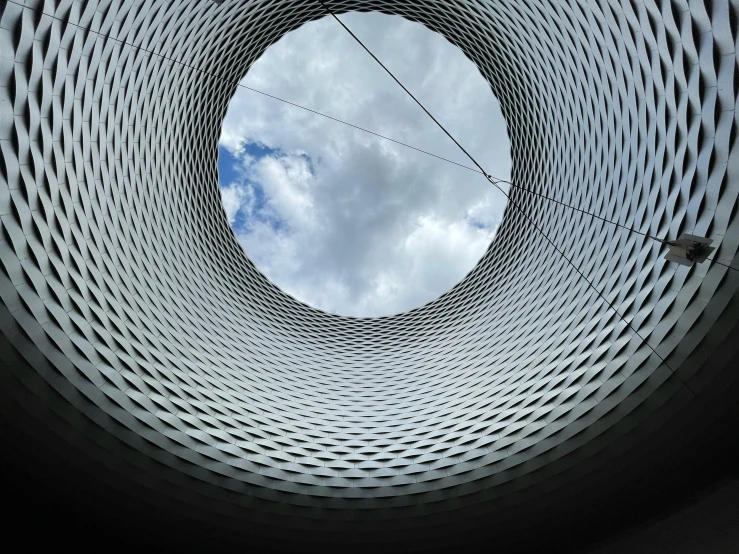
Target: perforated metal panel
x,y
124,287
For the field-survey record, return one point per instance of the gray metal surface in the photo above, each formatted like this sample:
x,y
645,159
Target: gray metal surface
x,y
124,288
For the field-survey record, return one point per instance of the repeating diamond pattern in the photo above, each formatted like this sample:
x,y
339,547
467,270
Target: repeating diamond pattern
x,y
124,288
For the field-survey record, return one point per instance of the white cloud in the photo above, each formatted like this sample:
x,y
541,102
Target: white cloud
x,y
346,221
235,197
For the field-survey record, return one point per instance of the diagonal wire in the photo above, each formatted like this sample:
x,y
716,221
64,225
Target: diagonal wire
x,y
528,218
428,113
491,179
478,170
107,36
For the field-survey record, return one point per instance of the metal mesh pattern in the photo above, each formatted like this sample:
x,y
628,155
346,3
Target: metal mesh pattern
x,y
124,287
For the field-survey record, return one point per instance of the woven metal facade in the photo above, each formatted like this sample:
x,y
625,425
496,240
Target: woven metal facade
x,y
142,326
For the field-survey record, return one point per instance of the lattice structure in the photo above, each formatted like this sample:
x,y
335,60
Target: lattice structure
x,y
146,329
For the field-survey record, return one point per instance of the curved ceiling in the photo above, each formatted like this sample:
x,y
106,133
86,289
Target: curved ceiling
x,y
136,320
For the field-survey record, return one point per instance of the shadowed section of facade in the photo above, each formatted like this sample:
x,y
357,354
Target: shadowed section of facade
x,y
144,353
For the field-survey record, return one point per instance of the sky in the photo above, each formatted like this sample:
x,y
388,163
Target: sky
x,y
340,219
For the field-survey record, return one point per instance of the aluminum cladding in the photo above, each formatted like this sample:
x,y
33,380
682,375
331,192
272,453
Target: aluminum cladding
x,y
124,287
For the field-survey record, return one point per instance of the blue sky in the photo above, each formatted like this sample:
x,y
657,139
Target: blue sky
x,y
231,171
345,221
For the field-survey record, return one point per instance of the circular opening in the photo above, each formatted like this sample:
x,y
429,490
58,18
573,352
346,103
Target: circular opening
x,y
344,220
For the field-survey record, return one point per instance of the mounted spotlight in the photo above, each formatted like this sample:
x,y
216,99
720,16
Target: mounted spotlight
x,y
688,249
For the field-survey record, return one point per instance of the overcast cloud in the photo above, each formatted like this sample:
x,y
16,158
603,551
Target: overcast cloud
x,y
343,220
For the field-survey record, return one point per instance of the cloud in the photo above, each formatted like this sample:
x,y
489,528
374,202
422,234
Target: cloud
x,y
346,221
235,198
